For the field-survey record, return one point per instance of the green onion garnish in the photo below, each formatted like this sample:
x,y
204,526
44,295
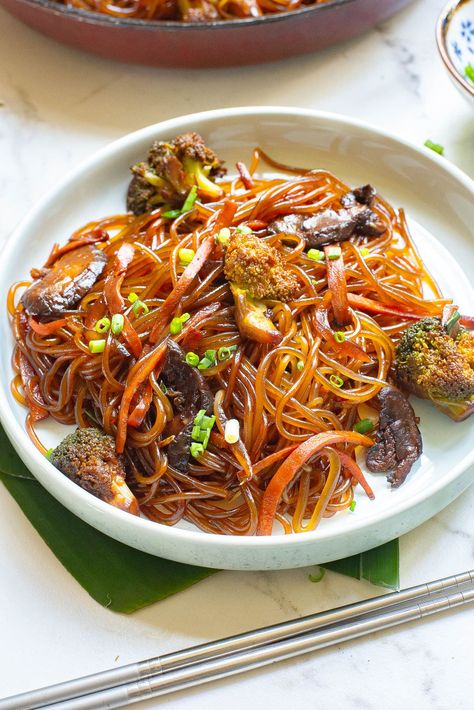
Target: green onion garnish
x,y
102,325
434,146
196,433
163,387
334,252
339,336
176,326
192,359
315,254
186,256
48,454
97,346
196,449
185,317
140,306
232,431
190,200
225,353
300,365
364,251
317,577
117,323
199,416
336,380
208,422
451,322
171,214
205,363
132,297
363,426
352,506
243,229
469,72
211,354
223,236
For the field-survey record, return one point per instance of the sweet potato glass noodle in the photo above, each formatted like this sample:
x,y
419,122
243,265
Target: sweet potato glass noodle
x,y
284,396
188,10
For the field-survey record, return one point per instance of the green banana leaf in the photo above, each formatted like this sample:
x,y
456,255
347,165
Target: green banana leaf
x,y
122,578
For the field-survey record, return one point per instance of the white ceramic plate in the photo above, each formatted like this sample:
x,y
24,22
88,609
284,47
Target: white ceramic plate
x,y
439,201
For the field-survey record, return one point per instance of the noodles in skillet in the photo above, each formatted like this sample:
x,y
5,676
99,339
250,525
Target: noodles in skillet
x,y
294,401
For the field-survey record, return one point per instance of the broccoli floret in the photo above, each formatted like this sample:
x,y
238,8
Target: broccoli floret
x,y
171,170
436,365
88,457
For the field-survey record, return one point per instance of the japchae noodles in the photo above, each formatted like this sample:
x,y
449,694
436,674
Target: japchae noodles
x,y
236,369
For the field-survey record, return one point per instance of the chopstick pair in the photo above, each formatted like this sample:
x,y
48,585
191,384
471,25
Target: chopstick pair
x,y
193,666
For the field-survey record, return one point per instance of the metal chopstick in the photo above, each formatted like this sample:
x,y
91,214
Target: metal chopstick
x,y
217,649
251,659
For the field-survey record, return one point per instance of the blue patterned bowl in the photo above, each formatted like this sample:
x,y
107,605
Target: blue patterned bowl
x,y
455,37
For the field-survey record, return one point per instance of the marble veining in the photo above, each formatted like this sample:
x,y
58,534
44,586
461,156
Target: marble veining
x,y
56,107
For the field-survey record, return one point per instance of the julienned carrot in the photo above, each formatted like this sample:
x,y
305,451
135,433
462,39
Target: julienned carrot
x,y
92,237
369,306
137,374
354,470
325,331
114,299
338,287
141,408
46,328
184,282
245,176
292,465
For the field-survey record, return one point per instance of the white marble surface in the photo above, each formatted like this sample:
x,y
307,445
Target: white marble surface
x,y
57,106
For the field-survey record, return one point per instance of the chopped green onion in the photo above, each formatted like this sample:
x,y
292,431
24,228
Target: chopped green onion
x,y
336,380
243,229
132,297
364,251
208,422
452,322
185,317
223,236
186,256
163,388
97,346
225,353
334,252
192,359
102,325
300,365
232,431
315,254
176,326
317,577
190,199
196,433
196,449
434,146
171,214
211,354
339,336
140,306
469,72
48,454
205,363
199,417
117,323
363,426
352,506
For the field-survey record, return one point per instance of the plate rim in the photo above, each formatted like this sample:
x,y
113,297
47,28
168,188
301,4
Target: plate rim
x,y
18,436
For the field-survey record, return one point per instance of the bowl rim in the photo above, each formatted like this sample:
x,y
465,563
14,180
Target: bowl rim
x,y
442,26
69,490
96,18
